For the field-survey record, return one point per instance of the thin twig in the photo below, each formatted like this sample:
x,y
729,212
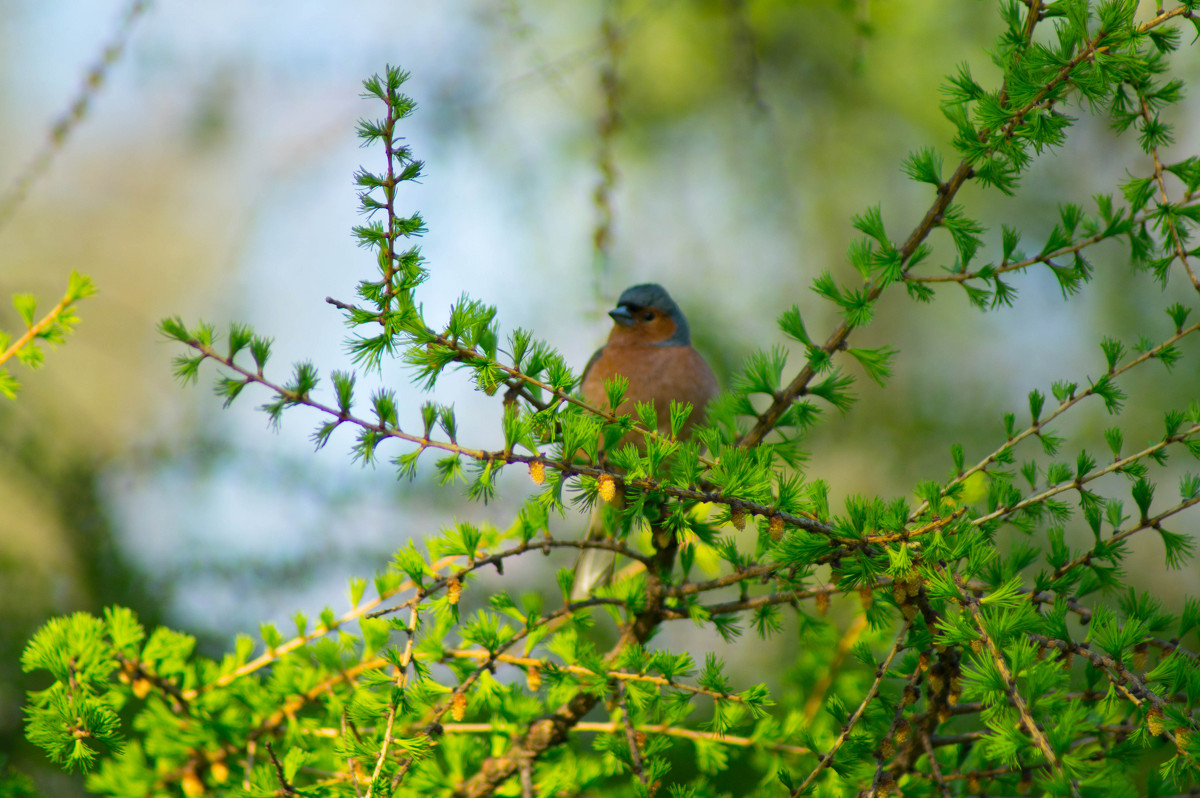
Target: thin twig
x,y
1176,242
880,674
635,753
285,787
934,216
971,605
1042,422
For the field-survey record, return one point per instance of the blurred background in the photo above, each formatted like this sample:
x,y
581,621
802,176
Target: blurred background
x,y
210,176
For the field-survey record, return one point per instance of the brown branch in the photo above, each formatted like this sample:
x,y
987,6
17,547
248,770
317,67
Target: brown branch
x,y
843,735
611,727
549,732
607,127
1037,426
284,786
578,670
509,457
933,218
971,605
400,680
1176,242
75,114
1075,484
1147,523
935,769
1047,258
817,695
631,737
517,380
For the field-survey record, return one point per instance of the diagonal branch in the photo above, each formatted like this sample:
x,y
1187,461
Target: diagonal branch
x,y
550,732
935,214
971,605
880,674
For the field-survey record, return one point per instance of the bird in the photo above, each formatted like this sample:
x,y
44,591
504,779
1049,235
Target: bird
x,y
650,345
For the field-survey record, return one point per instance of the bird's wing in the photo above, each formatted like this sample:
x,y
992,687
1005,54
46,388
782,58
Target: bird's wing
x,y
591,362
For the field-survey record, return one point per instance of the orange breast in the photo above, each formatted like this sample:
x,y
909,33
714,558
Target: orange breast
x,y
656,374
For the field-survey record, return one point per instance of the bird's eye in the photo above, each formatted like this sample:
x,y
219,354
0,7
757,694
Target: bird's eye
x,y
648,315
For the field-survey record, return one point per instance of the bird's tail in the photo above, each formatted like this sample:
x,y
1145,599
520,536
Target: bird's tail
x,y
594,567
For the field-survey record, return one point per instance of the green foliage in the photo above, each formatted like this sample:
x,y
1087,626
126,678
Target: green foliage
x,y
52,328
992,629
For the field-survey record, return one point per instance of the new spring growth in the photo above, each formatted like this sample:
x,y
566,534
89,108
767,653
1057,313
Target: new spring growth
x,y
453,591
537,472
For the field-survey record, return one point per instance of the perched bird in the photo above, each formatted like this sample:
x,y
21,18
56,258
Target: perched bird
x,y
650,346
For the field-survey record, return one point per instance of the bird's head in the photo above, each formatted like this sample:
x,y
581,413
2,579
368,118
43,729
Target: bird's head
x,y
646,314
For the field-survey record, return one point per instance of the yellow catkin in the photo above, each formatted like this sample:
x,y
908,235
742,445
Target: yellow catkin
x,y
537,472
1154,720
776,528
607,487
533,677
866,597
192,785
458,707
142,687
220,772
453,591
822,604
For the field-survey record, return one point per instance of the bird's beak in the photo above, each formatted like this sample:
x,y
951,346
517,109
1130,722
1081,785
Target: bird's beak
x,y
621,315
